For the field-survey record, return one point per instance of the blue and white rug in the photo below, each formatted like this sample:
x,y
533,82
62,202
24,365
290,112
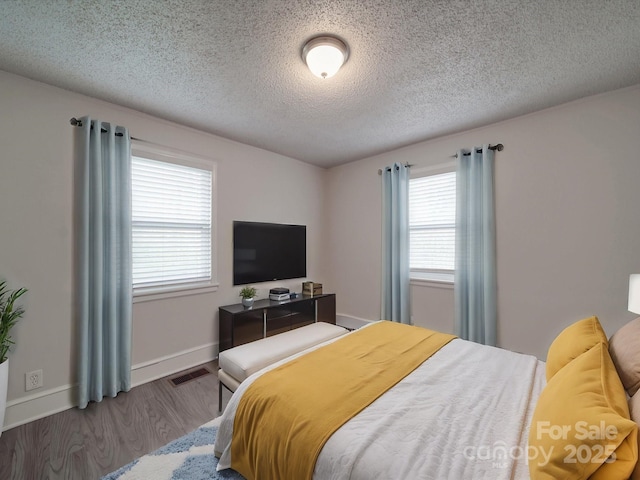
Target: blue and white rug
x,y
187,458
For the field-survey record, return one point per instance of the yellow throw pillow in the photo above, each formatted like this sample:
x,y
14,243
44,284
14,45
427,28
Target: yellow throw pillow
x,y
581,426
572,342
634,408
624,348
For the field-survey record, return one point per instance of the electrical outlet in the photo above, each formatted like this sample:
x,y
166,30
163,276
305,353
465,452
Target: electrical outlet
x,y
33,380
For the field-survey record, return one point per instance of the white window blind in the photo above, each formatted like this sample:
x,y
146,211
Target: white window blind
x,y
171,223
432,219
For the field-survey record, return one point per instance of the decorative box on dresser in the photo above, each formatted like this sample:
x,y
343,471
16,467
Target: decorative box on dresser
x,y
240,325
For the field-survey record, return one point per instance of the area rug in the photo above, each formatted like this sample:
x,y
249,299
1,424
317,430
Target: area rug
x,y
187,458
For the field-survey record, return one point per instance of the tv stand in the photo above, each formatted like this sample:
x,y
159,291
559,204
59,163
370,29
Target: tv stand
x,y
238,325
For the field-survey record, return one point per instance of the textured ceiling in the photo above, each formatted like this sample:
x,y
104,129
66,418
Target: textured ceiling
x,y
417,68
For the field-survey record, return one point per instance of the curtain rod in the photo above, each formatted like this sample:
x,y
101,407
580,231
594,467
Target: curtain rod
x,y
408,165
499,147
78,123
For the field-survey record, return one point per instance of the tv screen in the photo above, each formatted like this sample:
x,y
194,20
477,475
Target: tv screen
x,y
268,251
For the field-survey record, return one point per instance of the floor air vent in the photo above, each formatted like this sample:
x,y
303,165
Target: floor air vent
x,y
187,377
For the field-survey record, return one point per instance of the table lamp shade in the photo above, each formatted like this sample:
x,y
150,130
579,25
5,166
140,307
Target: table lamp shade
x,y
634,293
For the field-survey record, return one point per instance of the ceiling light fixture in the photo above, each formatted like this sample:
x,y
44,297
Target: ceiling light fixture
x,y
325,55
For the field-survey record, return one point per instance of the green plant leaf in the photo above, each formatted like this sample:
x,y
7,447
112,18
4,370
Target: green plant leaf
x,y
9,316
248,292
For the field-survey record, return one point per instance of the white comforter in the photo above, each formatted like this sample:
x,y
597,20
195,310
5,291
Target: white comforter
x,y
463,414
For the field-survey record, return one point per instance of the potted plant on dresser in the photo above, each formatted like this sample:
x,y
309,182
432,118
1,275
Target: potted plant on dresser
x,y
9,315
248,294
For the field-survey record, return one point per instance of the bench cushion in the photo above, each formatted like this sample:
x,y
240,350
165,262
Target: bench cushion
x,y
245,360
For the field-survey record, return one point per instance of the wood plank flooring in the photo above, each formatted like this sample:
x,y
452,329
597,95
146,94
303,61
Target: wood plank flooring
x,y
87,444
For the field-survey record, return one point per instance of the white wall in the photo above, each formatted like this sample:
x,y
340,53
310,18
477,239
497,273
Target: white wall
x,y
568,221
36,235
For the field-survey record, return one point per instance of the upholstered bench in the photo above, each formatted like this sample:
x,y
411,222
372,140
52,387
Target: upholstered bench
x,y
237,363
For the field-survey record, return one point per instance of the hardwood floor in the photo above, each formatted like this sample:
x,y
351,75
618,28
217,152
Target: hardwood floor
x,y
87,444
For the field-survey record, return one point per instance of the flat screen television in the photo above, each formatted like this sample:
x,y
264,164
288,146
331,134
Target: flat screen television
x,y
265,252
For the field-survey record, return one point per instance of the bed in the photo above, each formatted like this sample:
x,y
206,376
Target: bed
x,y
469,411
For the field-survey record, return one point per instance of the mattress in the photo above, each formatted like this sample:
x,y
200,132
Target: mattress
x,y
464,414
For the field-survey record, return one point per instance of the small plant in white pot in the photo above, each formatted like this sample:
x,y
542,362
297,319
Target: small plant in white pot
x,y
248,294
9,316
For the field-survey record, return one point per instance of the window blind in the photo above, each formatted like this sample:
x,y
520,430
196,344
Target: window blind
x,y
432,219
171,223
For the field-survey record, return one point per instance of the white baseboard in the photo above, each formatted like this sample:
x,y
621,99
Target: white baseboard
x,y
39,405
161,367
351,322
42,404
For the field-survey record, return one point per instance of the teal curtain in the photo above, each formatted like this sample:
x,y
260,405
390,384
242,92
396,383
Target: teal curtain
x,y
395,244
104,286
475,266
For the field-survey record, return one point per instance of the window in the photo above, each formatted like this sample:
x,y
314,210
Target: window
x,y
432,230
172,222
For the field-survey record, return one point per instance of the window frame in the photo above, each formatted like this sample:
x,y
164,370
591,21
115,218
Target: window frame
x,y
169,155
432,277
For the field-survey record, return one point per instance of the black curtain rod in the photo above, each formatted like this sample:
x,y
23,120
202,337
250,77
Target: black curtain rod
x,y
499,147
78,123
408,165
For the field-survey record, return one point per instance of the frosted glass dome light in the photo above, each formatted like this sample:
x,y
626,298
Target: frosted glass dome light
x,y
324,56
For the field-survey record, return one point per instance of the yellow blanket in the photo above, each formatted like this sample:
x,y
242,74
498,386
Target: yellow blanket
x,y
285,417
